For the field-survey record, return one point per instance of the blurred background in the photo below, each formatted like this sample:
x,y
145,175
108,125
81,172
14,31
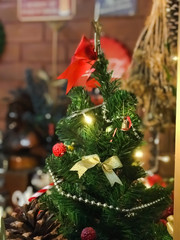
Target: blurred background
x,y
33,53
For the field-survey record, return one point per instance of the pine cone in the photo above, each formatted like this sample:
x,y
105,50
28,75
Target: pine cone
x,y
31,223
172,7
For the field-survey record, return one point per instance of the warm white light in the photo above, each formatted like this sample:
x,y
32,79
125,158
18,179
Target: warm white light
x,y
25,142
138,154
164,159
156,141
47,115
109,129
88,119
174,58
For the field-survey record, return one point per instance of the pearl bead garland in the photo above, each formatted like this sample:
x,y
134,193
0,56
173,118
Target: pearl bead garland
x,y
128,212
135,133
104,110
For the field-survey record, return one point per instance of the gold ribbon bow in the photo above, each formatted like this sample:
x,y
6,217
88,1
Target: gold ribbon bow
x,y
170,225
108,165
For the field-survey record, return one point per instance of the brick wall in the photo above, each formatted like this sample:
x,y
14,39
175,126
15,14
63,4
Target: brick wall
x,y
29,45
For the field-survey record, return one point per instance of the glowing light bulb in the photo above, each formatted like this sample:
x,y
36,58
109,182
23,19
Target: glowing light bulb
x,y
174,58
164,159
138,154
109,129
156,141
88,119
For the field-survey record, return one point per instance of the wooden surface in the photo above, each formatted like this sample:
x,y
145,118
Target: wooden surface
x,y
177,154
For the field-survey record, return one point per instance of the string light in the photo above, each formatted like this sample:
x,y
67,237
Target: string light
x,y
88,119
109,129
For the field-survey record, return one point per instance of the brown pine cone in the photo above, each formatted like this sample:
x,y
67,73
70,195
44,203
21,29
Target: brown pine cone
x,y
172,7
31,223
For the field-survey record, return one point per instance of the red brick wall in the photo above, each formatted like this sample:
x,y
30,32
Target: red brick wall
x,y
29,44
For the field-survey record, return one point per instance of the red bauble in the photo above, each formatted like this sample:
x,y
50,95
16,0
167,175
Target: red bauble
x,y
169,211
163,221
156,179
88,233
59,149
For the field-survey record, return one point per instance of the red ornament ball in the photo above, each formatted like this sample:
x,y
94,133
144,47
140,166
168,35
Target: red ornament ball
x,y
59,149
163,221
88,233
167,212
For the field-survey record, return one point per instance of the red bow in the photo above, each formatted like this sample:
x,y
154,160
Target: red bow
x,y
81,65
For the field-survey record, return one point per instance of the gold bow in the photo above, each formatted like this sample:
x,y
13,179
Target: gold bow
x,y
170,225
108,165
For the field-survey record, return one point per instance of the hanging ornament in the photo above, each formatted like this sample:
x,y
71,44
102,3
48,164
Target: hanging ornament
x,y
126,124
113,134
41,192
155,179
88,233
167,212
59,149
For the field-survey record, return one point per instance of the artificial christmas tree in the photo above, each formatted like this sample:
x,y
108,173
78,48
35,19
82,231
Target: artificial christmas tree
x,y
98,191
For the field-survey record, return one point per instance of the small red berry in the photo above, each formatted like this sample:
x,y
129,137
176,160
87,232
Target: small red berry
x,y
88,233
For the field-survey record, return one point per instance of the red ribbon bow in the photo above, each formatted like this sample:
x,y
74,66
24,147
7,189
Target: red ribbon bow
x,y
80,69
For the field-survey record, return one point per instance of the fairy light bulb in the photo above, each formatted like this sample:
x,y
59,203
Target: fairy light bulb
x,y
88,119
138,154
174,58
109,129
164,159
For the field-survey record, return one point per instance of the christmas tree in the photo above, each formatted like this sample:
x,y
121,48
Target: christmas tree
x,y
98,191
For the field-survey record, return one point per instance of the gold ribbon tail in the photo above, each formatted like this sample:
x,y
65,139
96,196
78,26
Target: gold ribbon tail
x,y
112,177
108,166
